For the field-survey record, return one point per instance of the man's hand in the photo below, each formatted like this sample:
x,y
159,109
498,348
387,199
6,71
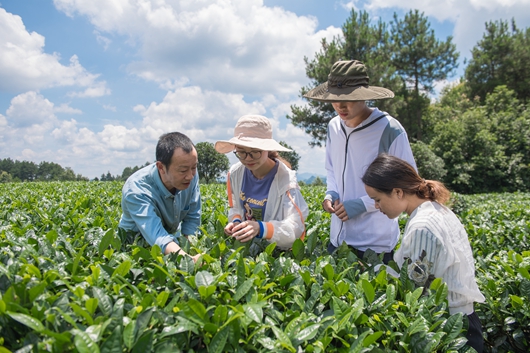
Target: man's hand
x,y
195,257
174,247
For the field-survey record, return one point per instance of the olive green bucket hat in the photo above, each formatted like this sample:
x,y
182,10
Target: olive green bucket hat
x,y
348,82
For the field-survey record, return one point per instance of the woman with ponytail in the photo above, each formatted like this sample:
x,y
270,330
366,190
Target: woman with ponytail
x,y
434,243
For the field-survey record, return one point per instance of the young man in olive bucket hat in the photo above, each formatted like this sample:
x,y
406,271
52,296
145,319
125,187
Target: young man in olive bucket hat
x,y
355,137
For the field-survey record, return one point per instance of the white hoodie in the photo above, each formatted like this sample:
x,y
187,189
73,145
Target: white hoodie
x,y
348,153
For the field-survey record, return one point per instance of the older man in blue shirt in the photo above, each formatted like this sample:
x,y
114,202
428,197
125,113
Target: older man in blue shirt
x,y
162,201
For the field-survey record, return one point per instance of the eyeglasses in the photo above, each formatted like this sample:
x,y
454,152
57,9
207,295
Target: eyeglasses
x,y
243,155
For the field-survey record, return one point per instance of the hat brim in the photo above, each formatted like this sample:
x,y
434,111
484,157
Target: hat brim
x,y
257,143
321,93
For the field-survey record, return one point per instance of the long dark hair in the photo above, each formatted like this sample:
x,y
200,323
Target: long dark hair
x,y
388,172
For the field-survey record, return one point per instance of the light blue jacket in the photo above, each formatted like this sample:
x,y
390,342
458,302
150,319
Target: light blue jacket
x,y
160,216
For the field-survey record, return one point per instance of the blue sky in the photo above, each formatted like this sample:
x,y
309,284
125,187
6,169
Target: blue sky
x,y
92,84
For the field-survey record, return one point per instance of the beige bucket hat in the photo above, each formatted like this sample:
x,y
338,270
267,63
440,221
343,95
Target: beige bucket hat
x,y
252,131
348,82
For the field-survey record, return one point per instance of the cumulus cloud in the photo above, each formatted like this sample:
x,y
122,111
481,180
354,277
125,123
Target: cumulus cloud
x,y
65,132
201,114
102,40
29,109
25,66
120,138
65,108
239,46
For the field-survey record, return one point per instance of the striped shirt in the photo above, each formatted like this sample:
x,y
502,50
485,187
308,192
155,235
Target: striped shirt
x,y
436,243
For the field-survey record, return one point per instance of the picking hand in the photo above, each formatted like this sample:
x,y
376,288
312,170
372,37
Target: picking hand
x,y
340,211
245,231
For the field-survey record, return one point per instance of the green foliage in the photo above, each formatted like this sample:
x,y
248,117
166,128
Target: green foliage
x,y
69,284
318,182
29,171
407,59
498,226
211,163
453,102
5,177
362,41
127,172
502,57
421,60
430,166
485,148
291,157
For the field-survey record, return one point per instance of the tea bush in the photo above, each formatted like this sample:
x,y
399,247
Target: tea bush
x,y
68,283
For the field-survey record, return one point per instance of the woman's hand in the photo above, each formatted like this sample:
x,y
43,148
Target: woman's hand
x,y
229,228
244,231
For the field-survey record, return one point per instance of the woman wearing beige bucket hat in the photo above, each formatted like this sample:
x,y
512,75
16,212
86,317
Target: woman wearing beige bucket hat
x,y
355,137
265,203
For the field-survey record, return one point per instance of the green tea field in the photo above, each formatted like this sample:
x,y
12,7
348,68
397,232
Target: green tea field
x,y
68,283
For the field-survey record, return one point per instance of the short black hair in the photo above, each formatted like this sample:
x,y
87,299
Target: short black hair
x,y
168,143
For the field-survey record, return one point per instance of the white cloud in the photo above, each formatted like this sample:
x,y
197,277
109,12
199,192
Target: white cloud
x,y
202,115
239,46
348,5
29,109
28,154
120,138
25,66
102,40
65,132
65,108
97,90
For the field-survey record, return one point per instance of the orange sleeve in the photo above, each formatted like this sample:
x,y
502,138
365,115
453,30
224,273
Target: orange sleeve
x,y
299,212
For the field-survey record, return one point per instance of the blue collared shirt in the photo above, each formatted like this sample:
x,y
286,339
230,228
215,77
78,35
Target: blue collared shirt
x,y
160,216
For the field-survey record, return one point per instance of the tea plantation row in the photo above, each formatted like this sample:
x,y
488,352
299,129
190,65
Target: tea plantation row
x,y
68,283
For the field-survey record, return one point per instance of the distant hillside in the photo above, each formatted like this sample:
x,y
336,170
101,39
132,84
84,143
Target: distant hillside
x,y
308,178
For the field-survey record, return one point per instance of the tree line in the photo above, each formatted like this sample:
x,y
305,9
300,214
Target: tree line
x,y
126,173
211,165
13,170
476,136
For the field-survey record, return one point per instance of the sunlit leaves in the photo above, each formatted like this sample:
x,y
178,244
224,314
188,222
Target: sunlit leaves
x,y
67,283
